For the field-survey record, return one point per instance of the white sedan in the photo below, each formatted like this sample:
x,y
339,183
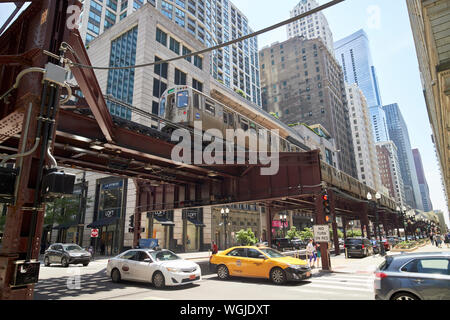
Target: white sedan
x,y
160,267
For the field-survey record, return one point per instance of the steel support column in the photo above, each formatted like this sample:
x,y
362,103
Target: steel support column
x,y
332,195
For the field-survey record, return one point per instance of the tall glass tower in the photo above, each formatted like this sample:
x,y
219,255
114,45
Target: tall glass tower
x,y
398,132
353,54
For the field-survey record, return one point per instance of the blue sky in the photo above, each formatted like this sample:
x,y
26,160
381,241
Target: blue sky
x,y
387,25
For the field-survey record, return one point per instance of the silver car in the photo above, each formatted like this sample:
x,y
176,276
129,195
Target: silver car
x,y
417,276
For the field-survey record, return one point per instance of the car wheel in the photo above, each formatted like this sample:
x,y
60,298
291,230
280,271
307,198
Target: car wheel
x,y
85,264
222,272
158,280
404,296
64,262
278,276
46,261
115,276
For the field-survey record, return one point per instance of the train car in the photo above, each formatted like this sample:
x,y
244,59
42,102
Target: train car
x,y
184,105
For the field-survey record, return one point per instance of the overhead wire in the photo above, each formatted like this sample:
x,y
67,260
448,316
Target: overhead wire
x,y
225,44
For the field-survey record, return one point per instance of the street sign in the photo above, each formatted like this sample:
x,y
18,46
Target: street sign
x,y
94,233
322,233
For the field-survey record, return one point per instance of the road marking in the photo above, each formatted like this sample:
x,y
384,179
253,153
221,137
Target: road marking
x,y
316,285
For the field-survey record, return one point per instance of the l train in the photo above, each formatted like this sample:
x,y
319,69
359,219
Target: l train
x,y
184,105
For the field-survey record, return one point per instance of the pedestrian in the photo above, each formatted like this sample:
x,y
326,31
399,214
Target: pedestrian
x,y
318,253
438,241
431,238
310,253
214,248
435,239
447,239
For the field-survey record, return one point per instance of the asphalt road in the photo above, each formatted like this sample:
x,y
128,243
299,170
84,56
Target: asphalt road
x,y
91,283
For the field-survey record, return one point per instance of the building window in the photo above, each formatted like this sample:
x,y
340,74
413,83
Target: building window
x,y
174,45
185,52
158,88
197,85
198,62
161,69
180,77
161,37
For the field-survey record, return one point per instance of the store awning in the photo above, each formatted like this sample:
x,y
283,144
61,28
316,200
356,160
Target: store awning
x,y
164,221
66,225
103,222
196,223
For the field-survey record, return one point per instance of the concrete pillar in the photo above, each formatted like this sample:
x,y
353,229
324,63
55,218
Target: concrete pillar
x,y
207,231
178,227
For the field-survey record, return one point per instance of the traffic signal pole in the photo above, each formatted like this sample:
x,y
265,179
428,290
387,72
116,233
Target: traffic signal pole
x,y
320,218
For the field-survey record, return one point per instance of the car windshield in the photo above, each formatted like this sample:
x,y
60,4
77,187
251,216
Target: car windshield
x,y
271,253
164,255
353,241
72,247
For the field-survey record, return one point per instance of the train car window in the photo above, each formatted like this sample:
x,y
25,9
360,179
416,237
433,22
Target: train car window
x,y
231,119
162,107
196,99
244,124
209,108
182,99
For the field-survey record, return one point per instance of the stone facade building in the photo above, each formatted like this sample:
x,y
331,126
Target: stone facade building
x,y
302,83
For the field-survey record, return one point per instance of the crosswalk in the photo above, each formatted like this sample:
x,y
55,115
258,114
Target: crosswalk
x,y
338,286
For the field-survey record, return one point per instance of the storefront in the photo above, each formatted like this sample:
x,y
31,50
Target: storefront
x,y
160,226
109,212
193,229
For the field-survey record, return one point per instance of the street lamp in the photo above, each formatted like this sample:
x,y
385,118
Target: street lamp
x,y
225,212
283,219
377,225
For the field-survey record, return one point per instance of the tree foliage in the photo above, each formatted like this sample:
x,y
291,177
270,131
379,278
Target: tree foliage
x,y
246,237
293,233
306,234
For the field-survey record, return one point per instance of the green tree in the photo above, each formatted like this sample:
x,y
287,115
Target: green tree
x,y
246,237
353,233
293,233
63,210
306,234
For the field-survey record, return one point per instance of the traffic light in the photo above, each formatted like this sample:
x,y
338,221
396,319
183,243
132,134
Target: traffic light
x,y
326,207
131,221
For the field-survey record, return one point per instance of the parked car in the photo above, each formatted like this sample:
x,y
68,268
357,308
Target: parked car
x,y
66,254
281,244
255,262
361,247
393,240
299,244
417,276
159,267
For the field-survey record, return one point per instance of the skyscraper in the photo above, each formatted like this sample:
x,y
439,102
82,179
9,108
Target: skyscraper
x,y
423,185
395,171
353,54
302,82
210,21
363,142
379,124
311,27
398,132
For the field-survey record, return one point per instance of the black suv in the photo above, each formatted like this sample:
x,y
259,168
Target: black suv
x,y
361,247
282,243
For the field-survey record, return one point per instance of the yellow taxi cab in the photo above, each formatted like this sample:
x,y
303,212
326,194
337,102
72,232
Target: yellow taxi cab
x,y
259,262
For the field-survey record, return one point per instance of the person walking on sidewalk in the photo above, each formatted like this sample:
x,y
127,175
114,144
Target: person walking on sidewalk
x,y
318,254
310,253
447,239
214,248
431,238
438,241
